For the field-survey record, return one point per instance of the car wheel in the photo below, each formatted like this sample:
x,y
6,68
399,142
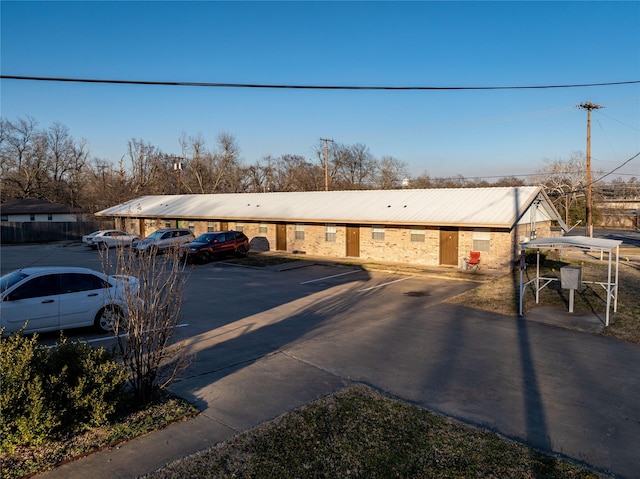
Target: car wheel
x,y
106,318
102,245
241,252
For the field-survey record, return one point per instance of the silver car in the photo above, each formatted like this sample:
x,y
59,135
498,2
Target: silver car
x,y
51,298
112,238
162,240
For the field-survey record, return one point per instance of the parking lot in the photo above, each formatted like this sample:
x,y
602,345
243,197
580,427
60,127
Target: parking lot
x,y
296,303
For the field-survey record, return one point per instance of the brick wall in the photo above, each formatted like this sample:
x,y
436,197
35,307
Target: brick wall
x,y
398,244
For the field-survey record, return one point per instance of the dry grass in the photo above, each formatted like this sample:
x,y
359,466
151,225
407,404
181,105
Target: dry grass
x,y
502,294
359,433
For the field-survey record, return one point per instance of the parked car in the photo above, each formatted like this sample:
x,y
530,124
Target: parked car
x,y
88,239
110,238
162,240
208,245
51,298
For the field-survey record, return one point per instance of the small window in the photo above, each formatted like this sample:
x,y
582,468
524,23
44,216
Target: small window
x,y
132,225
482,241
330,233
262,228
377,233
299,231
240,227
167,224
417,235
211,226
32,217
192,226
50,217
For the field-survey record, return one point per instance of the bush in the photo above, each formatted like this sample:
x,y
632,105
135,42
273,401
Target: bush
x,y
47,392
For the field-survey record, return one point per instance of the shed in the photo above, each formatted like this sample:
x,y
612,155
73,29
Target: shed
x,y
582,243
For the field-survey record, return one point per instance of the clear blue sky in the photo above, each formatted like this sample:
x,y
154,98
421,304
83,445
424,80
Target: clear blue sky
x,y
443,44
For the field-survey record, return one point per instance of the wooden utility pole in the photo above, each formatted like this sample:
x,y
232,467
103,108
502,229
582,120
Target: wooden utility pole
x,y
326,162
588,106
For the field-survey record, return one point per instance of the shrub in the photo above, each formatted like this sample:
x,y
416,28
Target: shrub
x,y
86,384
47,392
27,418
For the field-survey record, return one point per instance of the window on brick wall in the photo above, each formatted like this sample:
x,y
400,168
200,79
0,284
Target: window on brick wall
x,y
192,226
211,226
240,227
133,225
262,228
330,233
377,233
167,224
417,235
299,231
482,241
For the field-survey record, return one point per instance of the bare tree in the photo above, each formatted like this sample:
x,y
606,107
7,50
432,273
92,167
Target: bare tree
x,y
564,181
145,332
390,173
226,165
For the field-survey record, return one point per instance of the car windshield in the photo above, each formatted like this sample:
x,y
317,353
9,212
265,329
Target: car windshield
x,y
10,279
206,238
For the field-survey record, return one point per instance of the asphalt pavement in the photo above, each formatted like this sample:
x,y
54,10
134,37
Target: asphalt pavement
x,y
565,391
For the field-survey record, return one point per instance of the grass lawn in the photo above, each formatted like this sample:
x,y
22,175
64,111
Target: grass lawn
x,y
360,433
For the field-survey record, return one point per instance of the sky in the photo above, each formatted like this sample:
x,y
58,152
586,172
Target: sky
x,y
475,133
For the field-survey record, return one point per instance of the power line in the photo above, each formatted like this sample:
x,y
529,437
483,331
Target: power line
x,y
308,87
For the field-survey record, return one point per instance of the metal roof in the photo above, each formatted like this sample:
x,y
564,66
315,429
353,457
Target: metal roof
x,y
573,242
499,207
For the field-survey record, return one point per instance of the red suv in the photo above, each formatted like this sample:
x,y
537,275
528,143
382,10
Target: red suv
x,y
219,243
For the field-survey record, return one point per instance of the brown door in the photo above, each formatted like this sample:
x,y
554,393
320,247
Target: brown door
x,y
224,226
449,246
281,237
141,225
353,241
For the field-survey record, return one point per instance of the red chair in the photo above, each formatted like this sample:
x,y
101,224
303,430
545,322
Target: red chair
x,y
474,259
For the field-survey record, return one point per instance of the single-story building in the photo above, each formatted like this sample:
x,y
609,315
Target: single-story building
x,y
425,226
24,210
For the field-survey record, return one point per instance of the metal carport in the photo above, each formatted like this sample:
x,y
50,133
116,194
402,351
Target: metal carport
x,y
582,243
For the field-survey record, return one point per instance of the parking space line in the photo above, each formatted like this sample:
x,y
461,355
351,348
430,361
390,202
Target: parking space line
x,y
383,284
332,276
98,340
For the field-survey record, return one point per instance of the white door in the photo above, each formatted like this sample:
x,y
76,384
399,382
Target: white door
x,y
82,295
37,301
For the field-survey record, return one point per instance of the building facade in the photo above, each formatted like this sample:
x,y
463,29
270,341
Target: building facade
x,y
427,227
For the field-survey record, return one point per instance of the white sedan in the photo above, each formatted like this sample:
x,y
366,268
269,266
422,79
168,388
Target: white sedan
x,y
52,298
111,238
87,239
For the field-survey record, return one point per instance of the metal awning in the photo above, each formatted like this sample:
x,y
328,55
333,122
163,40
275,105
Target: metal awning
x,y
582,243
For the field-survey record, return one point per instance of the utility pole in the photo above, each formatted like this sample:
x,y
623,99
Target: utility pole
x,y
326,162
589,106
